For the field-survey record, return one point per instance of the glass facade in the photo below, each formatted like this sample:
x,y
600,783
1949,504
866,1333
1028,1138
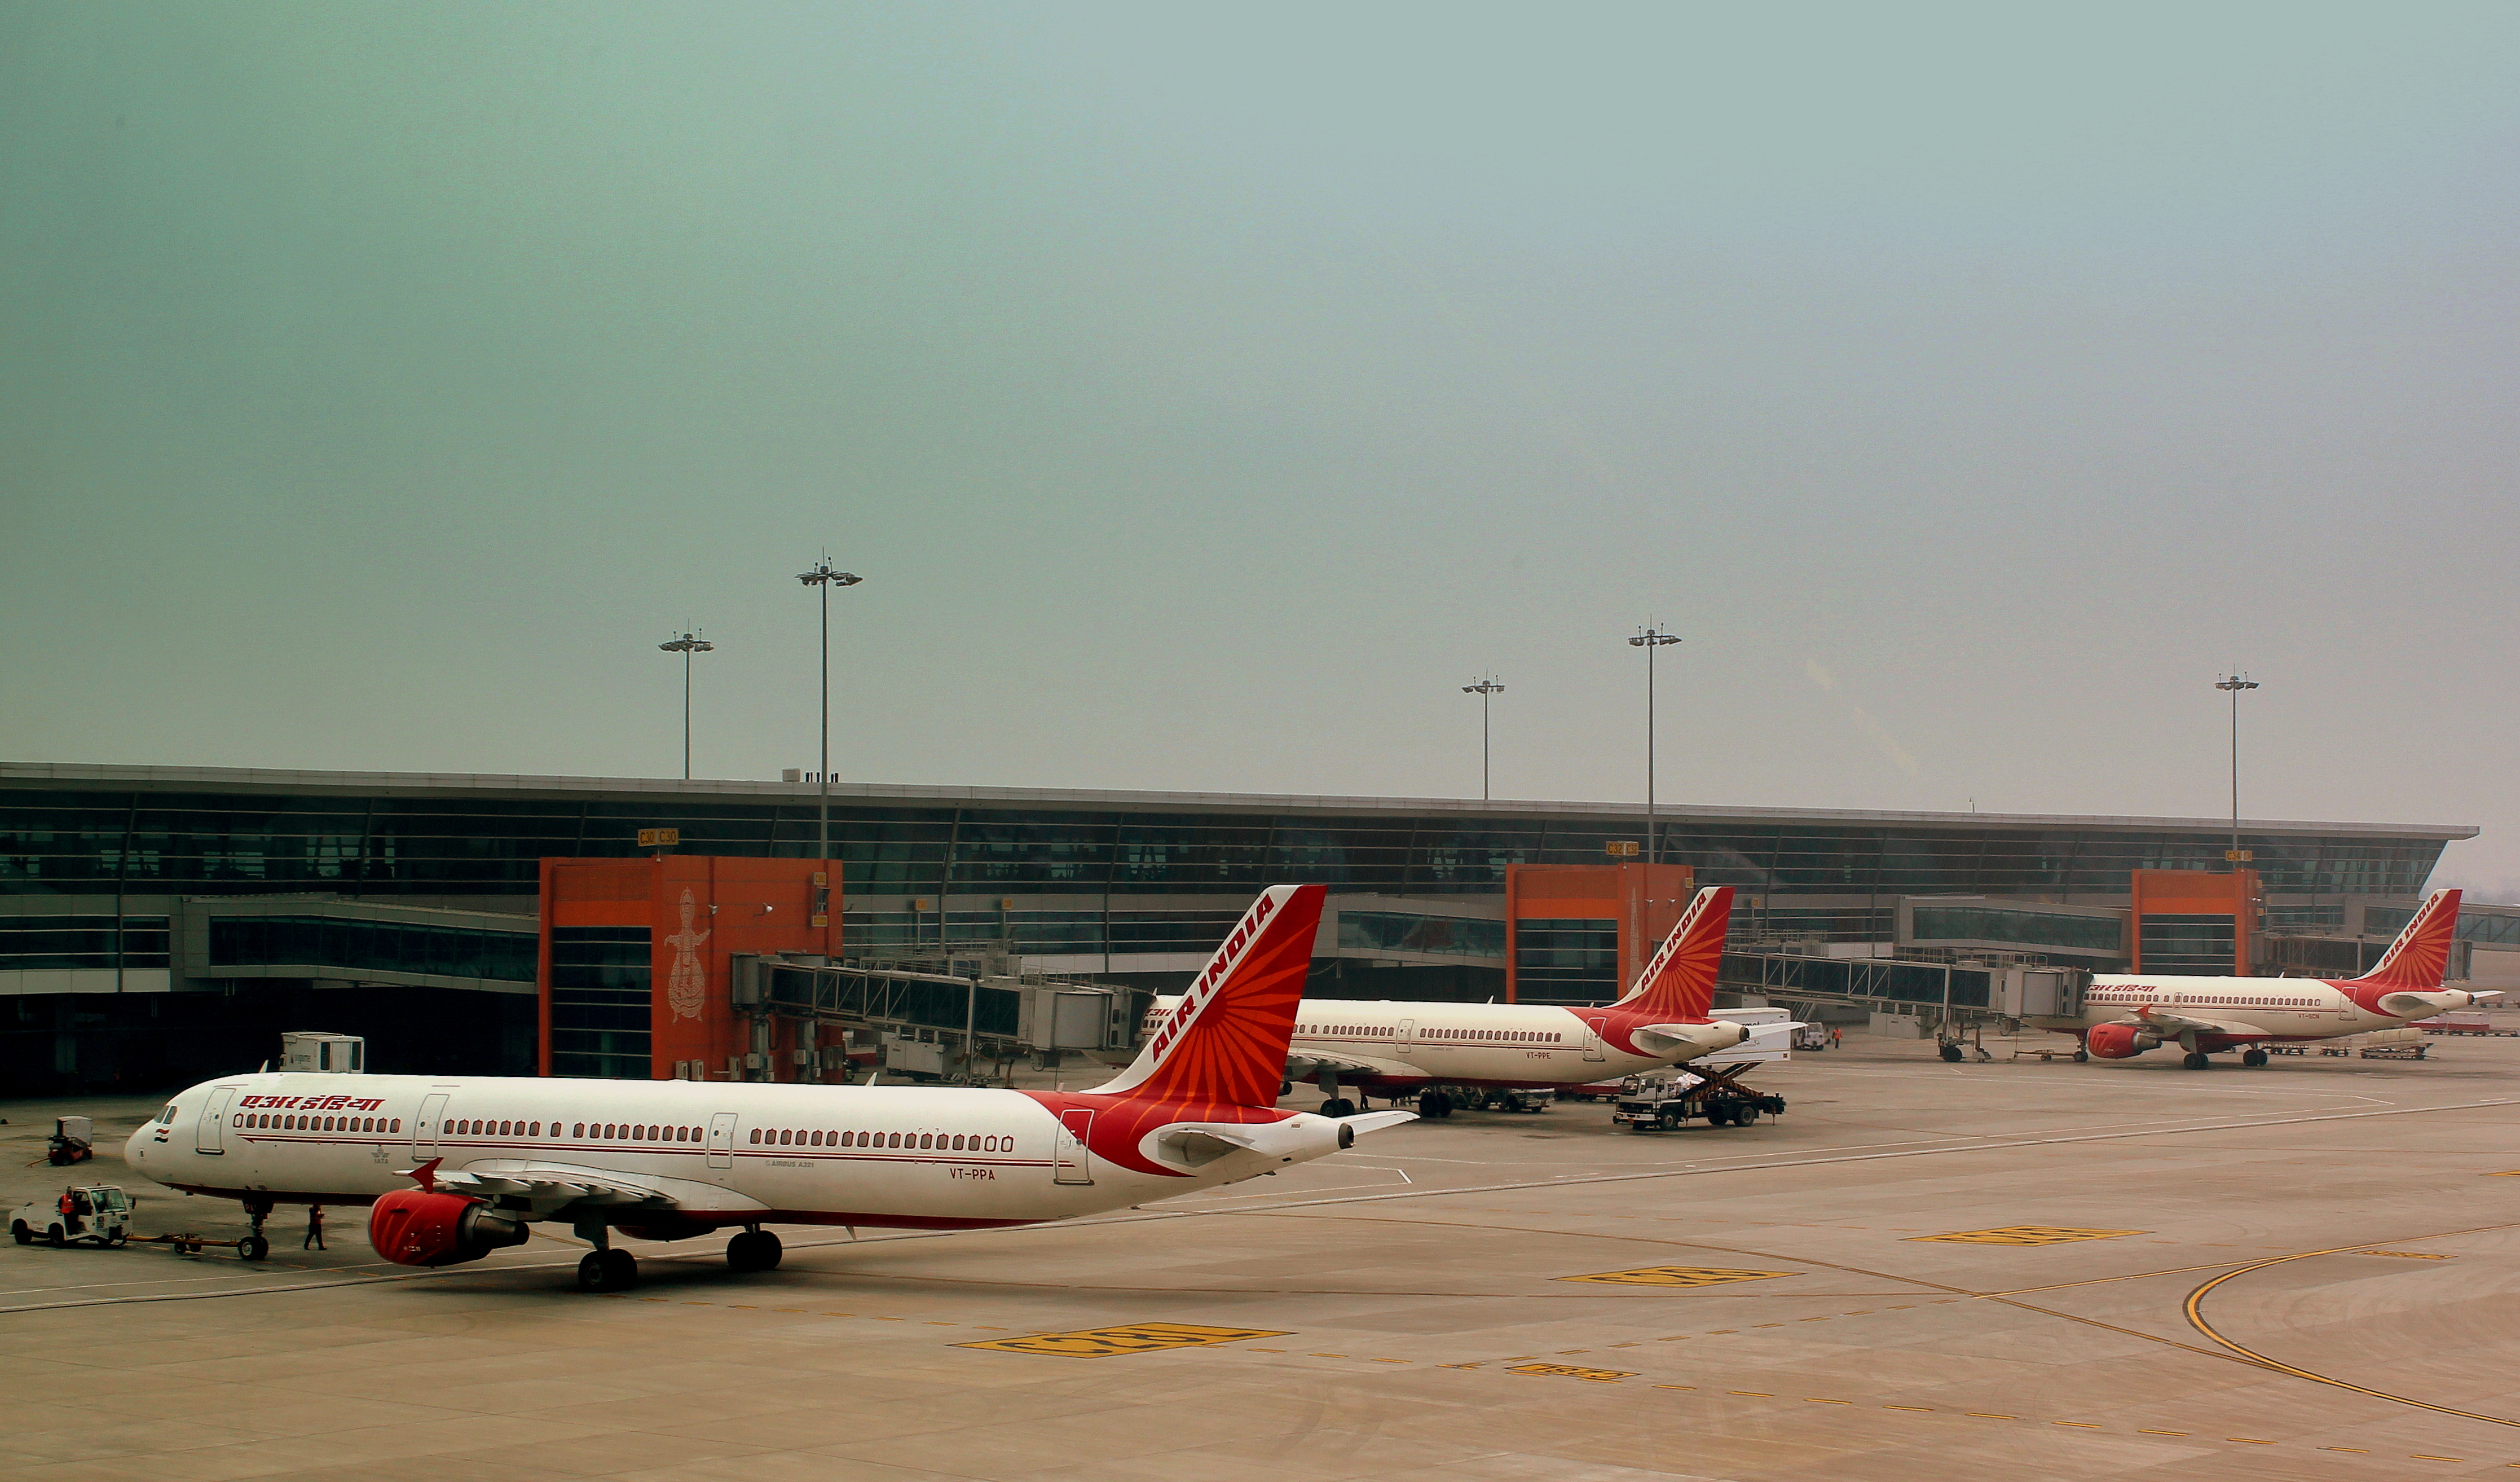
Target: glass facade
x,y
1977,922
1568,960
601,1002
2473,925
2193,945
28,942
467,841
258,941
1406,931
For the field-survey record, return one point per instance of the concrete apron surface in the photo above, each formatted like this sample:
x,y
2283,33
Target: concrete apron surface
x,y
2008,1271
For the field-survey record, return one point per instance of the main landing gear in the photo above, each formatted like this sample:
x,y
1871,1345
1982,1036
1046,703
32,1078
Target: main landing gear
x,y
1432,1105
2253,1057
755,1250
2198,1060
1339,1106
605,1269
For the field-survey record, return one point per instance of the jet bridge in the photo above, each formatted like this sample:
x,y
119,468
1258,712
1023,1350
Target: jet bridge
x,y
911,1017
1947,991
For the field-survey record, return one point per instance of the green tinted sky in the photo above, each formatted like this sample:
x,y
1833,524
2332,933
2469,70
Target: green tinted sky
x,y
1207,396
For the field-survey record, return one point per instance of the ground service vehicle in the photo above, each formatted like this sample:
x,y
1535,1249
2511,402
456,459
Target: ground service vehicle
x,y
74,1141
100,1214
1660,1100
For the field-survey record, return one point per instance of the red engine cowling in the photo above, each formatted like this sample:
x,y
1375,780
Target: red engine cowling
x,y
416,1226
2118,1042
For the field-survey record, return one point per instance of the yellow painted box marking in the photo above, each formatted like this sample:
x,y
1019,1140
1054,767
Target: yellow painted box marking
x,y
2027,1235
1128,1337
1677,1276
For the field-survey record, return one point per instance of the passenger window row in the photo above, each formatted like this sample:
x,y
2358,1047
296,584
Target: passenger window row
x,y
293,1122
936,1140
1499,1036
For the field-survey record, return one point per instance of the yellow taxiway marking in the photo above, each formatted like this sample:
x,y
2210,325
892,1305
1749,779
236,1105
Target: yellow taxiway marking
x,y
1678,1276
2027,1235
1126,1338
1572,1372
2161,1432
2405,1255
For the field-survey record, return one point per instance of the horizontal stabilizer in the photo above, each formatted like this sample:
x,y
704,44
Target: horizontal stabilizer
x,y
1375,1121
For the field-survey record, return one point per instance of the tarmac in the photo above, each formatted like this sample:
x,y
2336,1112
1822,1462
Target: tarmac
x,y
2008,1270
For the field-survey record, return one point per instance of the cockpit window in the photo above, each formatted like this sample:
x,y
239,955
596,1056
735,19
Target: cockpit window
x,y
167,1116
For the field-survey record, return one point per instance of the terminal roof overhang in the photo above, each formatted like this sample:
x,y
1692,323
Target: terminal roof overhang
x,y
889,794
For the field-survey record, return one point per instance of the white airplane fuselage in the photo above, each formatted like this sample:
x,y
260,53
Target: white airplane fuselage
x,y
1499,1045
725,1154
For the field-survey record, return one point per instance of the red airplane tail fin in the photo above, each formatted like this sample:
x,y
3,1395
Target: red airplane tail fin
x,y
1226,1040
2419,958
1679,984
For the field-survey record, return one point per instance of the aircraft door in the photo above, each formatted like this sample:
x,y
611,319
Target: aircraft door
x,y
211,1135
424,1129
1407,1032
1072,1160
721,1143
1592,1038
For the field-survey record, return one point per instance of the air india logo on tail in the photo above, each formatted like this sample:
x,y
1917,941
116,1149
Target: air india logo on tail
x,y
1681,978
1226,1040
2419,958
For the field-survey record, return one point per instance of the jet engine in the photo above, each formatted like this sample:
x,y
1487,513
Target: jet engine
x,y
2118,1042
416,1226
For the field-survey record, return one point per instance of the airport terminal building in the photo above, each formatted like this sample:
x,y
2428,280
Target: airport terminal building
x,y
161,922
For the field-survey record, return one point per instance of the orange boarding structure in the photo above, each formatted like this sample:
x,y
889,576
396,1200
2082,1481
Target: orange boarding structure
x,y
1640,903
2173,911
635,965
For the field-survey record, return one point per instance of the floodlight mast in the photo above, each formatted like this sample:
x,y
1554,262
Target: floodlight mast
x,y
1483,688
2232,685
1649,637
687,646
824,577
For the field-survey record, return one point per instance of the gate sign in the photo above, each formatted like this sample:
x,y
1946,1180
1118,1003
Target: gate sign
x,y
659,838
1622,848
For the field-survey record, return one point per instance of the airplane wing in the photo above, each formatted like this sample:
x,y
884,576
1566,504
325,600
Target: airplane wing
x,y
2171,1026
550,1187
1301,1064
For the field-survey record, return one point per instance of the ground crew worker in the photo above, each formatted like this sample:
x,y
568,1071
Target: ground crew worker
x,y
314,1228
70,1214
1836,1039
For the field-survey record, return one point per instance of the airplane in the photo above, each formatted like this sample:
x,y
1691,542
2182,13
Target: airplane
x,y
454,1168
1395,1048
2124,1017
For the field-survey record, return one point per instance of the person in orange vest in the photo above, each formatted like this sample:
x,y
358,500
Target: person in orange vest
x,y
70,1214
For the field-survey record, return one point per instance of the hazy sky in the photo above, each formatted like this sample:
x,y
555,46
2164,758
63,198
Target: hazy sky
x,y
1208,393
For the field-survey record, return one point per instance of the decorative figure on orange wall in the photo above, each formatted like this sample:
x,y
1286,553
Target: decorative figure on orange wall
x,y
688,978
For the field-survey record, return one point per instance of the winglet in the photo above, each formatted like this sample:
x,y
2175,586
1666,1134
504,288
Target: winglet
x,y
1226,1040
1679,982
2419,958
426,1175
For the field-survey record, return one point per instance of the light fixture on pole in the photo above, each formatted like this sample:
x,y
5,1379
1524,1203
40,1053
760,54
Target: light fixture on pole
x,y
825,578
1651,638
2232,685
687,646
1483,688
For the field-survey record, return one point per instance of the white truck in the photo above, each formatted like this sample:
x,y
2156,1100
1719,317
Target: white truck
x,y
100,1214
